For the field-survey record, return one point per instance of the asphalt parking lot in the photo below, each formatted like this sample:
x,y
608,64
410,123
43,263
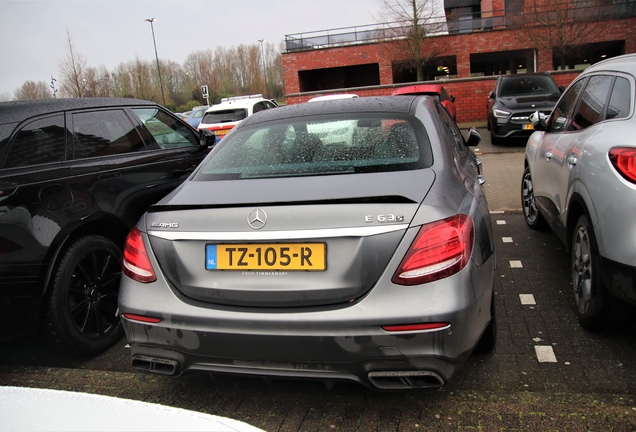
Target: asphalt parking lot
x,y
547,372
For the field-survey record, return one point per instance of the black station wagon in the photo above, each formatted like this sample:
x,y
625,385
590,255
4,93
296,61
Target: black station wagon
x,y
75,176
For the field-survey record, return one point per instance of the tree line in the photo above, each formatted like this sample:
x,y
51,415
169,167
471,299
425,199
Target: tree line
x,y
245,69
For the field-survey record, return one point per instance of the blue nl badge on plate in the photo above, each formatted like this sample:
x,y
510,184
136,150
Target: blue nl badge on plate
x,y
210,257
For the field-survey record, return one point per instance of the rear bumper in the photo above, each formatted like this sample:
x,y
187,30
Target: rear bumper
x,y
361,359
620,279
339,342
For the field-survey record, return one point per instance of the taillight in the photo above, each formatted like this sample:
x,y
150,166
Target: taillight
x,y
440,249
624,160
136,264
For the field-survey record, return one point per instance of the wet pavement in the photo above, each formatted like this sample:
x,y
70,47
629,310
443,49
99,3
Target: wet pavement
x,y
547,372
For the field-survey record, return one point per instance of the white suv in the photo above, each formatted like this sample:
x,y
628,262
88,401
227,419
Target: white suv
x,y
222,117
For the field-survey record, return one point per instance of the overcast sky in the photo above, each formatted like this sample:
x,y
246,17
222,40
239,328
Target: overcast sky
x,y
110,32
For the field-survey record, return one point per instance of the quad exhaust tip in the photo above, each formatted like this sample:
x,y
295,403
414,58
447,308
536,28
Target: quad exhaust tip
x,y
156,365
404,380
384,380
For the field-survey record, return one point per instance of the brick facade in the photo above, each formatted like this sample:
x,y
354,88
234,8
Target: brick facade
x,y
470,93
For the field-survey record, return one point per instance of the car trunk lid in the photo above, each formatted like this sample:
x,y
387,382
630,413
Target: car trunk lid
x,y
284,242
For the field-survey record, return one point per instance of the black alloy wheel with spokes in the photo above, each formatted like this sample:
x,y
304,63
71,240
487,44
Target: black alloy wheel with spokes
x,y
584,277
82,311
595,307
530,211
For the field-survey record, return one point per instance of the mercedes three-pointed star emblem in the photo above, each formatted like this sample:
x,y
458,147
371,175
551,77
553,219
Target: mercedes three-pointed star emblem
x,y
257,219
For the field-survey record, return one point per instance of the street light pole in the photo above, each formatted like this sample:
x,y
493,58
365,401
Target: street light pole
x,y
151,20
264,70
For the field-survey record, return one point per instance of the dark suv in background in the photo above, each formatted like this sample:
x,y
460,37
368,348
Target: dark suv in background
x,y
75,176
514,99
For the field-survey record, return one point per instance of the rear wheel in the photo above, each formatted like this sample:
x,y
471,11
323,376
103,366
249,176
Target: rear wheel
x,y
530,211
595,307
81,317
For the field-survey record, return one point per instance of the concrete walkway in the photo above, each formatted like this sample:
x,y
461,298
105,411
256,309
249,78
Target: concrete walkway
x,y
503,172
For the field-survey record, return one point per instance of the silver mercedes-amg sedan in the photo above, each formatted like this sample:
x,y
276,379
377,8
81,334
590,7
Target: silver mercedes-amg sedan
x,y
337,240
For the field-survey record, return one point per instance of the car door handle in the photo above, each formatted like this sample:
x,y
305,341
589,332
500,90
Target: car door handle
x,y
7,189
5,192
109,176
548,155
572,160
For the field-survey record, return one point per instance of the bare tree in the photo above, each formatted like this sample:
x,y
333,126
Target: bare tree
x,y
226,62
72,70
200,70
97,82
275,70
250,69
562,26
5,97
136,79
33,90
173,77
226,71
408,23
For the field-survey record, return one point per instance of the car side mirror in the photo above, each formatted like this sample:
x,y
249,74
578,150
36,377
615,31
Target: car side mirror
x,y
452,98
474,137
539,120
562,89
491,95
207,138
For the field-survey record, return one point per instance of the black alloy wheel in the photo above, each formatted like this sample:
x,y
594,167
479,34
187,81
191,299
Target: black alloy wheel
x,y
531,214
595,307
82,312
589,294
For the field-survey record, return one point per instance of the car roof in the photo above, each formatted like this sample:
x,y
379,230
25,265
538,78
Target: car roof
x,y
333,97
623,63
237,102
15,111
418,88
356,106
529,74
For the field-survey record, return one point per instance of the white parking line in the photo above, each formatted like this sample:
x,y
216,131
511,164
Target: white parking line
x,y
516,264
496,212
506,239
545,354
501,222
527,299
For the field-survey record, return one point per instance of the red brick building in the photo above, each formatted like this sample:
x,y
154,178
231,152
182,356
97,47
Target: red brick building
x,y
479,41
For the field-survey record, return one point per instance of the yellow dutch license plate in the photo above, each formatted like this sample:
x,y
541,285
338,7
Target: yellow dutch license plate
x,y
221,132
269,256
528,127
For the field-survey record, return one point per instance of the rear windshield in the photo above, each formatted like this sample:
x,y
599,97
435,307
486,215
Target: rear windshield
x,y
520,86
225,116
320,147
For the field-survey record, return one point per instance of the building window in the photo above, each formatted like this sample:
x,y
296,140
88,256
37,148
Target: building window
x,y
339,77
581,56
435,68
502,63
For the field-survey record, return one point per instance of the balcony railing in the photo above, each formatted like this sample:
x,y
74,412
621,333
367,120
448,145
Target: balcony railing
x,y
455,24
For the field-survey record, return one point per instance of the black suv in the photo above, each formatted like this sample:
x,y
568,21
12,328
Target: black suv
x,y
75,176
514,99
